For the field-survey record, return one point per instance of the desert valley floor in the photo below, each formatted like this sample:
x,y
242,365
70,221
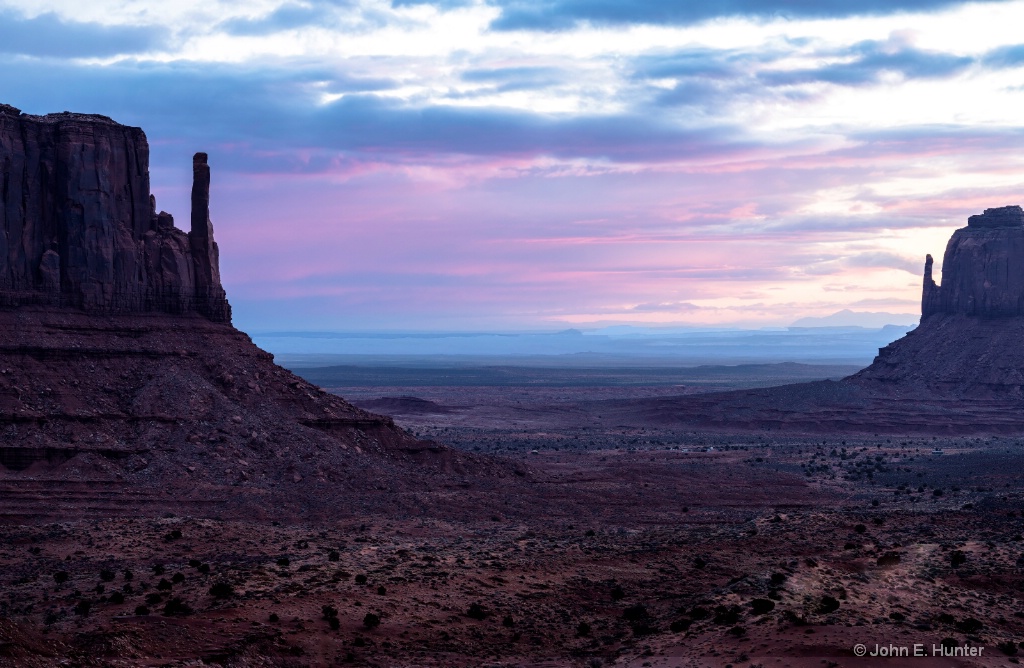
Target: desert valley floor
x,y
614,545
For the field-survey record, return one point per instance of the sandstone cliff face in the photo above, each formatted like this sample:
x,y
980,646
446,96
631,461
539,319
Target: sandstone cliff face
x,y
982,270
79,227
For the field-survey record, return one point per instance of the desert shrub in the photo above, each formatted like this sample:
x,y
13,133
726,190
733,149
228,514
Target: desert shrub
x,y
329,611
360,579
100,589
141,611
176,608
698,613
725,616
1008,648
117,598
969,625
777,579
194,563
583,629
635,613
828,604
83,608
60,577
762,606
589,533
946,618
957,558
680,625
476,611
158,569
273,618
334,623
163,585
371,621
333,555
222,590
897,616
738,631
128,575
699,563
153,599
949,643
508,622
178,578
617,593
106,575
283,561
888,559
204,569
860,528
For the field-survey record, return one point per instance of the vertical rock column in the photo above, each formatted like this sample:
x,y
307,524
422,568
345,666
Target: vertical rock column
x,y
209,295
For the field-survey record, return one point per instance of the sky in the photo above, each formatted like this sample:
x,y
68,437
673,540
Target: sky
x,y
541,164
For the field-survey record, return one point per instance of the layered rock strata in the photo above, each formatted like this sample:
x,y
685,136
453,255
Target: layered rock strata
x,y
79,226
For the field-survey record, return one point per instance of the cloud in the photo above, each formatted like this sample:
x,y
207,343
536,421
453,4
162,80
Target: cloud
x,y
865,63
49,36
505,79
286,17
556,15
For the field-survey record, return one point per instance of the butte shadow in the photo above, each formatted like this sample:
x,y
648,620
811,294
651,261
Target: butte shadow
x,y
124,388
961,371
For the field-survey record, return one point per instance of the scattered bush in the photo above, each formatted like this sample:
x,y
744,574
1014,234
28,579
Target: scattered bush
x,y
699,563
176,608
635,613
60,577
360,579
371,621
178,578
222,590
153,599
476,611
333,555
117,598
726,616
762,606
969,625
897,616
680,625
204,569
83,608
590,533
141,611
106,575
158,569
163,585
273,618
738,631
128,575
699,613
828,605
283,561
1008,648
957,558
860,528
583,629
888,559
777,579
508,622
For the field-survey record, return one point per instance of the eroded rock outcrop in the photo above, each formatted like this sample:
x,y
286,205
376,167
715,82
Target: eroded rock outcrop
x,y
982,270
79,227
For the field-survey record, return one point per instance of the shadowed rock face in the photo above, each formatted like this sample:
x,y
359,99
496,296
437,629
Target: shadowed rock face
x,y
982,270
79,227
